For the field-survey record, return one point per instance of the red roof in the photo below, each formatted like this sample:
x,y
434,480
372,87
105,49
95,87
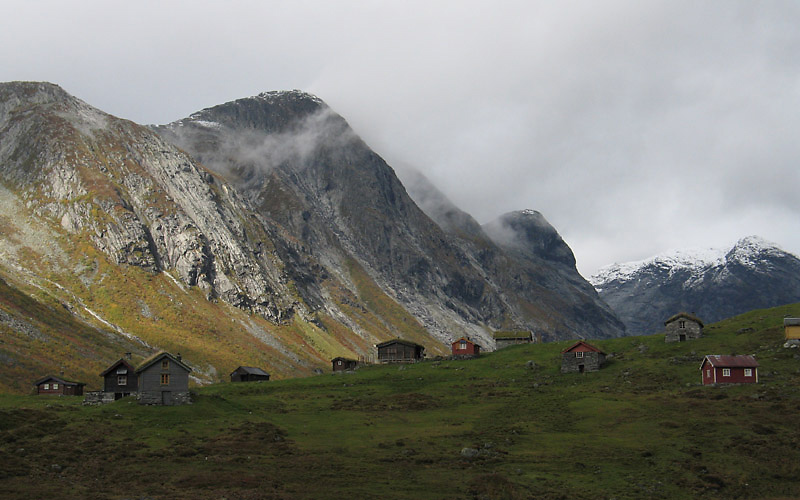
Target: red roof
x,y
585,346
726,361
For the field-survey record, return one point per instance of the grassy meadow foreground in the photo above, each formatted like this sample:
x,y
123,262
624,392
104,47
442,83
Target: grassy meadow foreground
x,y
505,426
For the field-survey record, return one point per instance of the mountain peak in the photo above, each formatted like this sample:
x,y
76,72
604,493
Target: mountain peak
x,y
527,231
717,283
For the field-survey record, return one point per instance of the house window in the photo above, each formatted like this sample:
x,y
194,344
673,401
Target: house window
x,y
122,371
463,345
579,354
46,387
726,372
122,380
339,362
165,379
708,373
681,324
748,372
55,387
165,364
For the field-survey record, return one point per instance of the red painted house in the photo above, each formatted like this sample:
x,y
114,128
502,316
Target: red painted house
x,y
465,347
720,369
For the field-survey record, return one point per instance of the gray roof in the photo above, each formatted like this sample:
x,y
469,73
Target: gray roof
x,y
791,321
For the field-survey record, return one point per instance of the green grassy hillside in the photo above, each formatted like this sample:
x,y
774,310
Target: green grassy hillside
x,y
507,425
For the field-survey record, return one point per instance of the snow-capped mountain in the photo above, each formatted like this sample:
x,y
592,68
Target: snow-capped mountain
x,y
712,283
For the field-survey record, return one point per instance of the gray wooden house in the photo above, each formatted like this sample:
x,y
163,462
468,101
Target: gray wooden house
x,y
249,374
581,357
682,327
163,380
399,351
505,338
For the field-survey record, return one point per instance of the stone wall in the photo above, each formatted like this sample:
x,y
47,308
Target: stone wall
x,y
691,330
591,361
98,398
169,398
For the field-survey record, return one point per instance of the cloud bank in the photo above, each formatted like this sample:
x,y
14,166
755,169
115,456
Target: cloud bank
x,y
634,127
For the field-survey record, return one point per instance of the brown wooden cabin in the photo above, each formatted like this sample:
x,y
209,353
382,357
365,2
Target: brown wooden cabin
x,y
682,327
399,351
163,380
249,374
717,369
58,386
581,357
341,364
120,379
465,347
791,328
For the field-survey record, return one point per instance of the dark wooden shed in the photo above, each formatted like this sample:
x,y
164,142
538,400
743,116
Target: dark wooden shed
x,y
249,374
163,380
464,347
58,386
721,369
120,379
341,364
581,357
399,351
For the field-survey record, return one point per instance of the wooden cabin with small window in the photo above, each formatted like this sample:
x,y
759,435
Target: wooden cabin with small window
x,y
720,369
341,364
58,386
249,374
163,380
400,351
581,357
120,379
465,348
682,327
791,328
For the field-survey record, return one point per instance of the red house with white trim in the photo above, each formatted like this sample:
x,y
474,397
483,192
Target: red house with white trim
x,y
465,347
721,369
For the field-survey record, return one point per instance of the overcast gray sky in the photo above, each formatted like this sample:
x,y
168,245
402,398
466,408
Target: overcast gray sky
x,y
633,126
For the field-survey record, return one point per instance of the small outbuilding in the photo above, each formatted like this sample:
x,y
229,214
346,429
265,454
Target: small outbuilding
x,y
721,369
791,328
400,351
464,347
249,374
505,338
163,380
58,386
341,364
682,327
120,379
581,357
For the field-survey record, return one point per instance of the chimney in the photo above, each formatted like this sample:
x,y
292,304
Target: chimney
x,y
178,356
128,356
62,371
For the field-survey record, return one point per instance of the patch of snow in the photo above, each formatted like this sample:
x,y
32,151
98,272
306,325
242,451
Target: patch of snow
x,y
175,280
117,329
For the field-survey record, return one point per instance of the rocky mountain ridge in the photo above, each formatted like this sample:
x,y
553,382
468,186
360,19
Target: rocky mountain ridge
x,y
712,283
269,204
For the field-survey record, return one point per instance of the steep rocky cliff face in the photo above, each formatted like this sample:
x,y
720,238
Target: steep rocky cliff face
x,y
301,165
261,231
140,200
714,284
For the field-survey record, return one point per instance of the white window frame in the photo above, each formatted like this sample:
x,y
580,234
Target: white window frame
x,y
579,354
748,372
46,387
726,372
55,387
122,380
